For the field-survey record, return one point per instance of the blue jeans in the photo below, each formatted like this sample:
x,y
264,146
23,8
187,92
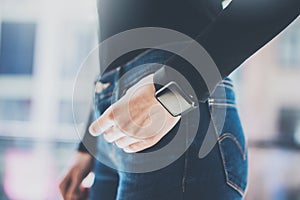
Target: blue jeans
x,y
221,175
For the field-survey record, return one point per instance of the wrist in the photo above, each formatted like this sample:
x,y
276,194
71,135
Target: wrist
x,y
83,156
170,94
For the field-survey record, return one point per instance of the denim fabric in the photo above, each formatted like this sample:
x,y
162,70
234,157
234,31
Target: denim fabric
x,y
221,175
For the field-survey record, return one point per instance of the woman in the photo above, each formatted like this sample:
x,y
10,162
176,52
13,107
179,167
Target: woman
x,y
230,36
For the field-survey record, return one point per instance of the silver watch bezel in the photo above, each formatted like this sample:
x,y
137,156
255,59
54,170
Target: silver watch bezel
x,y
172,97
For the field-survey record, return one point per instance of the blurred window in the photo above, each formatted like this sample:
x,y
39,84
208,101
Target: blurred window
x,y
289,50
289,125
67,111
78,41
17,48
14,109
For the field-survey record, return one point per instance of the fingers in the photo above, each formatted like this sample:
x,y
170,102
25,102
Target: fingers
x,y
138,116
64,185
143,144
113,134
73,192
102,123
138,146
70,187
126,141
84,193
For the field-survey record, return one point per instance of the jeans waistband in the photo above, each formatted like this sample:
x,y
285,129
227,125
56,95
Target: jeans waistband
x,y
123,77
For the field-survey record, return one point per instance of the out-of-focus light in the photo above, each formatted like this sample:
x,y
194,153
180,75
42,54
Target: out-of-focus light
x,y
297,134
89,180
226,3
27,175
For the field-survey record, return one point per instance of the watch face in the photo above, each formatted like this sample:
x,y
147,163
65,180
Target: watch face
x,y
174,99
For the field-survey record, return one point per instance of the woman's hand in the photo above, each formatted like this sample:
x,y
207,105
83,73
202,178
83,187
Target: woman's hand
x,y
70,186
136,121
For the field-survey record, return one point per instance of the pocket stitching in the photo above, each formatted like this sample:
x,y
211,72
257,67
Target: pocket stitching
x,y
244,155
236,187
243,152
234,139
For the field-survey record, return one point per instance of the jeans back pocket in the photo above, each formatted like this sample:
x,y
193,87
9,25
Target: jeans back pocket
x,y
231,138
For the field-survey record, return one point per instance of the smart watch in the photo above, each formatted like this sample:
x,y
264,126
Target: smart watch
x,y
174,100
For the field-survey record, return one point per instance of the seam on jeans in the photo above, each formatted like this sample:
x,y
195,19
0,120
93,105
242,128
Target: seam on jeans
x,y
109,73
228,82
212,118
228,181
244,155
225,170
223,104
233,138
137,57
183,182
131,82
234,186
185,167
104,95
237,188
225,86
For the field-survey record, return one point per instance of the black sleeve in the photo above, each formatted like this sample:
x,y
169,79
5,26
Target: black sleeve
x,y
236,34
89,142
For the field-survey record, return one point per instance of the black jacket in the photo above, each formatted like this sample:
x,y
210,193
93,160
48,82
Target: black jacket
x,y
230,36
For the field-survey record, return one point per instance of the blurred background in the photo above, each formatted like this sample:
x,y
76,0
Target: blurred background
x,y
42,45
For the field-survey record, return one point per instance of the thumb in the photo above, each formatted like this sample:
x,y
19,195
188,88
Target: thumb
x,y
104,122
84,192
